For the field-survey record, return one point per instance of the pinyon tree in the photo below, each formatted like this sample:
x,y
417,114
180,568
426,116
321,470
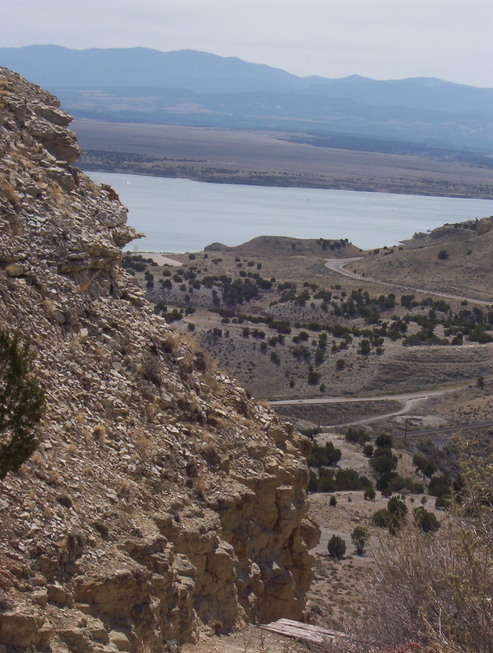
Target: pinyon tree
x,y
21,403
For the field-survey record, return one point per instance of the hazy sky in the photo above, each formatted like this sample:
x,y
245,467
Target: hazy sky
x,y
383,39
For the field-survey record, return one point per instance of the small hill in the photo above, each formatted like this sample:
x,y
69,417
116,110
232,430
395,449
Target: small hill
x,y
162,500
452,259
283,246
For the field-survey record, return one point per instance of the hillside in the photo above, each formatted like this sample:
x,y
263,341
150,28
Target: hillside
x,y
291,320
455,258
162,500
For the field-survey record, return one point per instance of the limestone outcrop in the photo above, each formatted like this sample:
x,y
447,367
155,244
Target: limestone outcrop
x,y
162,500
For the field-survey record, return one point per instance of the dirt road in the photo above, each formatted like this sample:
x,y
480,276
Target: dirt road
x,y
405,397
338,265
409,400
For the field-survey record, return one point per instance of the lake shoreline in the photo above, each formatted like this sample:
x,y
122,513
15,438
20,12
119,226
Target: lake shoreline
x,y
271,181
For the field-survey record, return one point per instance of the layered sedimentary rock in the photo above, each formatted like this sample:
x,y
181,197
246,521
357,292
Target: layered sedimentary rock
x,y
162,500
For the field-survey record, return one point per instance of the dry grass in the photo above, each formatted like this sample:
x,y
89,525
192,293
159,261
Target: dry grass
x,y
7,189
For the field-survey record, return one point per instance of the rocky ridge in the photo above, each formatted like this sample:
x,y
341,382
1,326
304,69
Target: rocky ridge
x,y
162,500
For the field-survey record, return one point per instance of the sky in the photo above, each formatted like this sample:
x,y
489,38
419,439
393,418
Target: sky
x,y
382,39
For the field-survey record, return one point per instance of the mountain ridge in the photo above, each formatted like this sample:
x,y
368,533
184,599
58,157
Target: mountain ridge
x,y
189,87
37,57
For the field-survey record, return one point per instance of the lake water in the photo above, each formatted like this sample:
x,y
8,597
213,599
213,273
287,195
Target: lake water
x,y
179,215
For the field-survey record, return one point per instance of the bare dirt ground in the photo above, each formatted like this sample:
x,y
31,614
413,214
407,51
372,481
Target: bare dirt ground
x,y
162,259
251,639
269,158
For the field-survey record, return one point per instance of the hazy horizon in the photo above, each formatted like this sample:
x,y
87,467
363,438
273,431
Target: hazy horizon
x,y
138,47
384,39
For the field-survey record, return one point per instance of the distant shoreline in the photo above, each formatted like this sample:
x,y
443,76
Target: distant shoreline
x,y
281,182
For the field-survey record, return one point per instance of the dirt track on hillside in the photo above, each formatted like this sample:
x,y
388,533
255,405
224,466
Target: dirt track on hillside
x,y
337,265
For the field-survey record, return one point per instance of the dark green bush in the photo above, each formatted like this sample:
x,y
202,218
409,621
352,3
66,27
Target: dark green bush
x,y
357,435
336,547
327,455
359,538
313,377
383,460
384,440
312,481
425,465
385,519
440,485
347,479
426,520
392,517
22,402
326,484
397,507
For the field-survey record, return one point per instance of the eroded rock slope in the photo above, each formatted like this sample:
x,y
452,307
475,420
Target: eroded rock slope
x,y
162,499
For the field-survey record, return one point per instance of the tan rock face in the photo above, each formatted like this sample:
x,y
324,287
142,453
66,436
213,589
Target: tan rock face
x,y
161,500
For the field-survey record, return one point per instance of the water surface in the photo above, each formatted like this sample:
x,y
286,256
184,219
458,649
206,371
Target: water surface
x,y
180,215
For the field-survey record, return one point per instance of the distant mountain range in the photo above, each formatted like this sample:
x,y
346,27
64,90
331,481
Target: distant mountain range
x,y
197,88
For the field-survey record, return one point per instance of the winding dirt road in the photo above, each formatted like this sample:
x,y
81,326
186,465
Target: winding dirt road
x,y
405,397
338,265
409,400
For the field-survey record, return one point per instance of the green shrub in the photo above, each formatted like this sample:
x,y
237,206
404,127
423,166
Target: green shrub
x,y
425,520
385,519
347,479
312,481
440,485
398,483
369,494
336,547
443,502
22,402
383,460
313,377
425,465
359,538
384,440
392,517
326,455
397,507
326,484
357,435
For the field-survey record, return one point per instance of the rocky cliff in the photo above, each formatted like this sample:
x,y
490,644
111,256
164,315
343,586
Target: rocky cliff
x,y
162,500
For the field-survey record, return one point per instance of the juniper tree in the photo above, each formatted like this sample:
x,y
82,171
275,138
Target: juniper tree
x,y
21,403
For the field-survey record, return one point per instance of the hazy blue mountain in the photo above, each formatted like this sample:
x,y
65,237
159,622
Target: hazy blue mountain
x,y
414,92
197,88
57,67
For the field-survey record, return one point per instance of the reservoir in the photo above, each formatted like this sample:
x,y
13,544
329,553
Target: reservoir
x,y
179,215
